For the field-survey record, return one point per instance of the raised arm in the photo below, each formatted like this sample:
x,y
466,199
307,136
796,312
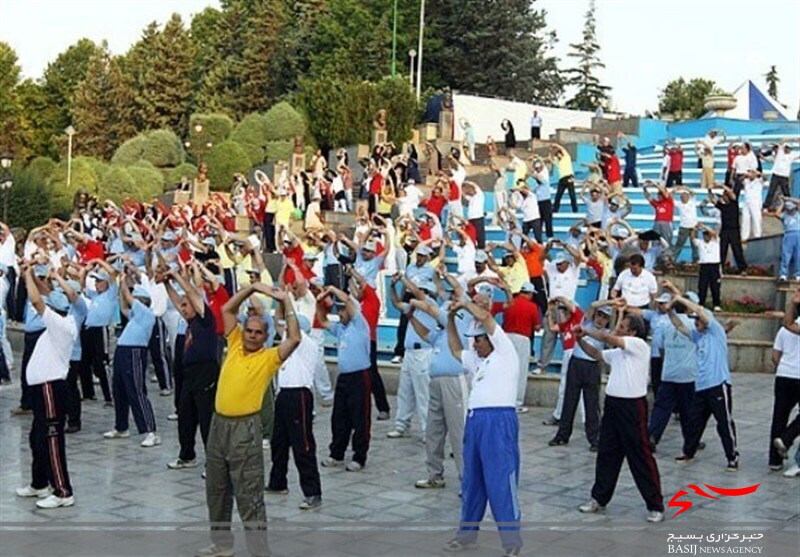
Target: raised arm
x,y
453,340
33,291
230,311
192,294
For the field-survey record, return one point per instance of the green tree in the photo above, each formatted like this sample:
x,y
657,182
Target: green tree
x,y
681,96
225,160
772,82
206,131
590,94
29,201
12,134
37,118
83,177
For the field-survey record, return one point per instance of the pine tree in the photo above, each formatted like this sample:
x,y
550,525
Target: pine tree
x,y
772,82
591,94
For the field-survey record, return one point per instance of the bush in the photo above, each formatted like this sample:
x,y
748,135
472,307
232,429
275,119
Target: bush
x,y
254,152
30,199
215,129
118,184
282,121
83,177
130,151
163,149
173,176
253,130
225,160
41,168
100,167
149,181
282,151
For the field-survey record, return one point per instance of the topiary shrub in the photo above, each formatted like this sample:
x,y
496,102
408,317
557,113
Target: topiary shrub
x,y
173,176
130,151
214,128
284,122
30,200
100,167
149,181
282,151
41,168
163,148
83,177
254,152
118,184
224,160
252,130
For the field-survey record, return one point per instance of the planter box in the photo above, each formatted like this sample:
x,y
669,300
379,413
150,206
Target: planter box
x,y
760,327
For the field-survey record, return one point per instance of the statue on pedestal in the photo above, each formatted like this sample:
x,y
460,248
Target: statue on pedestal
x,y
379,134
299,145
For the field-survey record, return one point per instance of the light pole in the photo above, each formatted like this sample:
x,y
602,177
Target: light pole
x,y
6,181
411,54
70,131
419,48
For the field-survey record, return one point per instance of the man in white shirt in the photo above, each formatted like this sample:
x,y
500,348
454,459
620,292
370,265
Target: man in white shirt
x,y
491,434
46,374
781,169
536,127
624,424
414,195
751,216
563,275
523,198
744,162
705,150
686,206
475,212
294,408
636,285
710,273
8,257
786,357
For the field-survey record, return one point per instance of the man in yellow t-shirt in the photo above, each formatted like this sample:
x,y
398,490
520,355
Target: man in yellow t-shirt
x,y
235,466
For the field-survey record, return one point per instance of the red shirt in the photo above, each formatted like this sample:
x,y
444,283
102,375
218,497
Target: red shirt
x,y
424,231
675,160
435,204
596,267
375,184
90,250
455,192
614,174
216,300
295,255
568,339
371,309
521,317
664,209
469,230
732,154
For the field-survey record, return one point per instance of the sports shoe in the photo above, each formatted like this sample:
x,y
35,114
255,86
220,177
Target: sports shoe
x,y
523,409
108,404
214,550
353,466
311,503
20,411
655,516
180,464
383,416
776,467
717,309
792,472
783,278
271,491
536,371
30,491
397,360
396,434
329,462
153,378
173,417
114,434
265,444
327,402
780,446
430,483
550,421
512,552
72,429
733,465
556,442
54,501
684,459
592,506
150,440
455,545
166,392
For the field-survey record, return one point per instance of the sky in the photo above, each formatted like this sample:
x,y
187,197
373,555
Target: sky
x,y
644,43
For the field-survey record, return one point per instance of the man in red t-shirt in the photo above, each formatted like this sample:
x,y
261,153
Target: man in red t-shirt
x,y
436,202
520,322
371,310
664,206
675,172
562,318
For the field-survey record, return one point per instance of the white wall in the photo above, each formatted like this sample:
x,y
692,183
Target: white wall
x,y
485,115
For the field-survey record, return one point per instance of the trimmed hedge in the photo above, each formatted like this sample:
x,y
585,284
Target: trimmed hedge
x,y
118,184
130,151
163,148
225,160
284,122
83,177
173,176
41,168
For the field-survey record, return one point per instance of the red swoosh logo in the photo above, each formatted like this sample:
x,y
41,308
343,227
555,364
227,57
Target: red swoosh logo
x,y
726,491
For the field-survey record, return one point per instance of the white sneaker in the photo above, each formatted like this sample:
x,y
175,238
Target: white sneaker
x,y
30,491
265,444
523,410
592,507
153,378
173,417
396,434
783,278
536,371
792,472
150,440
54,501
717,309
166,392
214,550
353,466
329,462
179,464
114,434
655,516
397,360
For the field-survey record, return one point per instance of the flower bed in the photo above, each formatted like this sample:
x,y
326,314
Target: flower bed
x,y
746,304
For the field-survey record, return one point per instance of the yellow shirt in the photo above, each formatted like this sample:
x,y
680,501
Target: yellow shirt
x,y
244,377
565,165
516,275
283,211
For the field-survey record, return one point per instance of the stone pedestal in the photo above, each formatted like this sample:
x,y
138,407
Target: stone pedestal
x,y
180,197
428,132
446,125
298,162
200,193
379,137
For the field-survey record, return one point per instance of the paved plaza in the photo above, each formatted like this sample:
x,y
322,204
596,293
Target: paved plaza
x,y
119,482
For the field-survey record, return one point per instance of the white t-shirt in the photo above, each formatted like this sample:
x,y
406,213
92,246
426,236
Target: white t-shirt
x,y
50,358
636,291
687,212
459,174
465,256
753,189
337,184
788,343
475,208
743,163
298,370
630,369
708,252
7,251
529,205
494,378
783,163
414,195
312,215
306,305
562,284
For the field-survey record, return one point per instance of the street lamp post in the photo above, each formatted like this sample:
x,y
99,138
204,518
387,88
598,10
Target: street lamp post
x,y
6,181
411,54
70,131
419,48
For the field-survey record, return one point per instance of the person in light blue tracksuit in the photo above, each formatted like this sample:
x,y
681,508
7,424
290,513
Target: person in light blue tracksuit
x,y
491,433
